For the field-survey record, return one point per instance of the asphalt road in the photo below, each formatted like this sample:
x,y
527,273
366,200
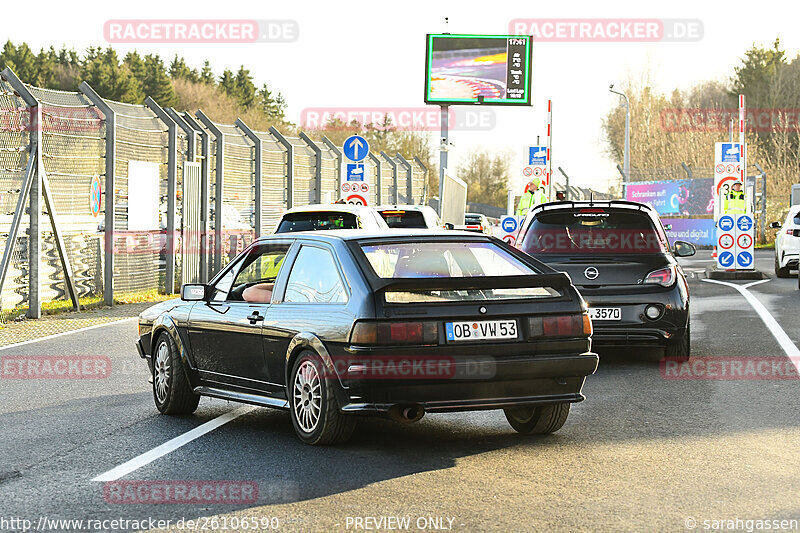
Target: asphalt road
x,y
642,453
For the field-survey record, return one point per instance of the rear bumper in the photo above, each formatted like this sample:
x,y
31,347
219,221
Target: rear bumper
x,y
488,383
635,329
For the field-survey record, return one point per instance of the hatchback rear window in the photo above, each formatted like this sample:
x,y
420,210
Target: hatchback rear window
x,y
318,220
404,219
593,231
450,260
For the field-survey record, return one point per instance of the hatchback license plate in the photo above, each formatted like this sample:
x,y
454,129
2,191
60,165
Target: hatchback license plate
x,y
486,329
605,313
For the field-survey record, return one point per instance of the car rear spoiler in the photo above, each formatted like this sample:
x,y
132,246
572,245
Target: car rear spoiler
x,y
557,280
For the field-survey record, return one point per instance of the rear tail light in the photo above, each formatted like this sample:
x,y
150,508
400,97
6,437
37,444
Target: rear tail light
x,y
395,333
663,276
560,326
789,232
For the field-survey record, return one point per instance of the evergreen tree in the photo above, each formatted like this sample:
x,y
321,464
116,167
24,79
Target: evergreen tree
x,y
157,83
178,69
207,75
245,91
111,79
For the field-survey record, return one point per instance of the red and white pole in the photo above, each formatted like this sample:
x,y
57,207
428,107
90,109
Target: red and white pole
x,y
549,149
743,149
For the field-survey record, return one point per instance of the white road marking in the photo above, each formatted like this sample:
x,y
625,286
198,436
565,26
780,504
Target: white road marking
x,y
70,332
171,445
777,331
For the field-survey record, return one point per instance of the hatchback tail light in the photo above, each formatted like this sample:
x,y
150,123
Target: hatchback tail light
x,y
395,333
560,326
663,276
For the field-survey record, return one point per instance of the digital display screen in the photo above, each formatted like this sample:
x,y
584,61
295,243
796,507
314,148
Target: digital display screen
x,y
467,69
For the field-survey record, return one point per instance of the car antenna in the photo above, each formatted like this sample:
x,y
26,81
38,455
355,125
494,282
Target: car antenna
x,y
591,196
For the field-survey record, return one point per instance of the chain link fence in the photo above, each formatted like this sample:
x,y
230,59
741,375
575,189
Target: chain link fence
x,y
88,142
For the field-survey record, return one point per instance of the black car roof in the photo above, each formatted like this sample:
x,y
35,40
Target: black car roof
x,y
356,234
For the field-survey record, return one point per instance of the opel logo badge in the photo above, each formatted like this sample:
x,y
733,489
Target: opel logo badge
x,y
591,273
482,310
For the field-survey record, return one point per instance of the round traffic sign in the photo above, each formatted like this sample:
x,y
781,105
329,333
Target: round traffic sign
x,y
725,241
509,224
527,171
744,222
355,148
364,187
537,171
510,239
730,169
720,168
725,259
725,223
744,240
744,259
725,181
356,199
346,187
95,196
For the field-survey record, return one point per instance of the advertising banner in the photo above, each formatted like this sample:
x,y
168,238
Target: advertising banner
x,y
688,197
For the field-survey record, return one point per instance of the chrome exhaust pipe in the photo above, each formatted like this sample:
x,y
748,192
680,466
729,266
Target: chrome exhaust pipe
x,y
406,414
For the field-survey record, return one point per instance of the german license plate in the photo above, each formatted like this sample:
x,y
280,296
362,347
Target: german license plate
x,y
605,313
481,330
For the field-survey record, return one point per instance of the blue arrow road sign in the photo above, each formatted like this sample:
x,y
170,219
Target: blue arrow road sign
x,y
725,223
355,171
726,259
355,148
509,224
744,259
744,223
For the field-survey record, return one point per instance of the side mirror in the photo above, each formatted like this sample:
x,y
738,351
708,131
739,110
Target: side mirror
x,y
775,225
193,292
684,249
449,225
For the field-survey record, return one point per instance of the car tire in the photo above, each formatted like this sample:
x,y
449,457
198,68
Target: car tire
x,y
312,403
780,272
539,419
172,391
681,348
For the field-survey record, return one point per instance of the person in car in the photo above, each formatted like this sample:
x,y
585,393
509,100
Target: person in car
x,y
260,293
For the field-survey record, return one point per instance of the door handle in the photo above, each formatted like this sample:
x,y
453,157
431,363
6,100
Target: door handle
x,y
255,317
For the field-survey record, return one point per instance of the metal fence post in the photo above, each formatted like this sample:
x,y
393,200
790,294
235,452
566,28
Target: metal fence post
x,y
409,178
318,166
111,169
289,165
259,171
393,164
172,186
425,180
219,138
379,181
339,162
205,172
191,134
687,169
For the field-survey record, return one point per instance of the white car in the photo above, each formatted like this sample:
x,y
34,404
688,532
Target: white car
x,y
330,216
410,216
787,243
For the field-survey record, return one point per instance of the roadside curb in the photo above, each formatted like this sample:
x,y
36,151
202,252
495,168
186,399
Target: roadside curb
x,y
734,275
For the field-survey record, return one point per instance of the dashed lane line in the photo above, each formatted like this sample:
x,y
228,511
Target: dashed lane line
x,y
171,445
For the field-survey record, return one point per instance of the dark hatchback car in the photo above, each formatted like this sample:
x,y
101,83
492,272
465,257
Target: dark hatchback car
x,y
618,256
330,325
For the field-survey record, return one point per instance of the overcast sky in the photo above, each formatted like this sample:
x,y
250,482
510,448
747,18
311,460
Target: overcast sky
x,y
356,54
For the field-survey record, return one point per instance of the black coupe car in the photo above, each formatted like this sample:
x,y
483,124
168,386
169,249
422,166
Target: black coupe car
x,y
330,325
618,255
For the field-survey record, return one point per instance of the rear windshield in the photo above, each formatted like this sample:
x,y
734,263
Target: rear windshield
x,y
443,260
318,220
404,219
450,260
472,219
593,231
